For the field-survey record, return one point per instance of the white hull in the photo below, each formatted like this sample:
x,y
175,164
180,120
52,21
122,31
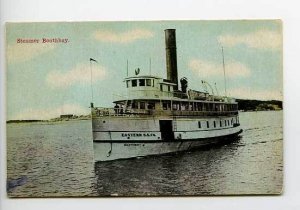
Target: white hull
x,y
122,150
121,138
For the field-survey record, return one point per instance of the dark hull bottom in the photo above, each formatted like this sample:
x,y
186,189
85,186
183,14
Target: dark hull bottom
x,y
113,150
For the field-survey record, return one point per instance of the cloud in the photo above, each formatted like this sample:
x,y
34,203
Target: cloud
x,y
207,69
262,39
80,74
49,113
122,37
249,93
26,51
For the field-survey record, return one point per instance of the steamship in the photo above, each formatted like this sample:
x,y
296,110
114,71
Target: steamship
x,y
157,117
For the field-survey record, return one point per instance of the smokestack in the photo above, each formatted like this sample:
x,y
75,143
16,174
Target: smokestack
x,y
171,56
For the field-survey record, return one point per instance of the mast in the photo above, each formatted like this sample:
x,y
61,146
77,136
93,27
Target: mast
x,y
224,72
92,99
91,59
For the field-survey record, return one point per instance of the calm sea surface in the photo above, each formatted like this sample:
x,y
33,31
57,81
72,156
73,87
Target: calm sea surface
x,y
56,159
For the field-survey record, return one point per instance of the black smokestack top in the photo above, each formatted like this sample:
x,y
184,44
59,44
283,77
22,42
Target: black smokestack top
x,y
171,56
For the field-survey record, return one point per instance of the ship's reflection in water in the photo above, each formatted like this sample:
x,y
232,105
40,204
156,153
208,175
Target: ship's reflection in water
x,y
186,173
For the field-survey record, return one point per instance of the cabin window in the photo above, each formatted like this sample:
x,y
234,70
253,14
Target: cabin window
x,y
142,105
225,122
134,105
214,123
134,82
141,82
127,83
216,107
174,106
199,124
161,88
231,121
200,106
153,83
148,82
165,106
220,123
228,122
169,88
151,105
207,124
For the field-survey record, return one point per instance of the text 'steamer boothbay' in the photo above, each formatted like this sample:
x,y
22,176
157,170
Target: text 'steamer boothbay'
x,y
157,117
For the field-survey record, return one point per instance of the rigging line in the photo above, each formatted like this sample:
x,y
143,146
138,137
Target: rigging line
x,y
224,72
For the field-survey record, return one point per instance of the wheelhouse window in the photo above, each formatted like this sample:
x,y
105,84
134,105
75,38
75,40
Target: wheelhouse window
x,y
127,83
161,88
134,82
169,88
220,123
148,82
207,124
214,123
141,82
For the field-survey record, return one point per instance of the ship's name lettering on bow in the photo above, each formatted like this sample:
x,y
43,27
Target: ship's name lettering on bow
x,y
137,134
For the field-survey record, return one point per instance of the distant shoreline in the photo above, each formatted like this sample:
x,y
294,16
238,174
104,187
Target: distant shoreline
x,y
44,121
78,119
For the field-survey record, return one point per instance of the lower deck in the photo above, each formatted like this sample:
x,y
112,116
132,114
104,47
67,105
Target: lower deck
x,y
119,137
133,129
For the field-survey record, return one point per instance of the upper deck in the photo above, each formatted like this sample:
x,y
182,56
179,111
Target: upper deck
x,y
154,96
156,88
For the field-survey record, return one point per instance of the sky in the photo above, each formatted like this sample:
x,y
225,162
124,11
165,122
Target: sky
x,y
45,80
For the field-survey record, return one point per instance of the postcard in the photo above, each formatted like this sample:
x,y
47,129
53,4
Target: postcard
x,y
144,108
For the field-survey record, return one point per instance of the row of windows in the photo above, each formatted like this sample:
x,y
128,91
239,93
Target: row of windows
x,y
140,82
183,106
226,123
141,105
198,106
146,82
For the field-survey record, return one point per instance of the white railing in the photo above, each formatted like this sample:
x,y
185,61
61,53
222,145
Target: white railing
x,y
100,111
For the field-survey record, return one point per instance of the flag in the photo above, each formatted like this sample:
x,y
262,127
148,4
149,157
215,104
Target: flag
x,y
91,59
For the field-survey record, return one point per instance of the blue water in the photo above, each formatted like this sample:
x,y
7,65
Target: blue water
x,y
56,159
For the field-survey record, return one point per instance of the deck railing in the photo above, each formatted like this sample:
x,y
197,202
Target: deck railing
x,y
100,111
